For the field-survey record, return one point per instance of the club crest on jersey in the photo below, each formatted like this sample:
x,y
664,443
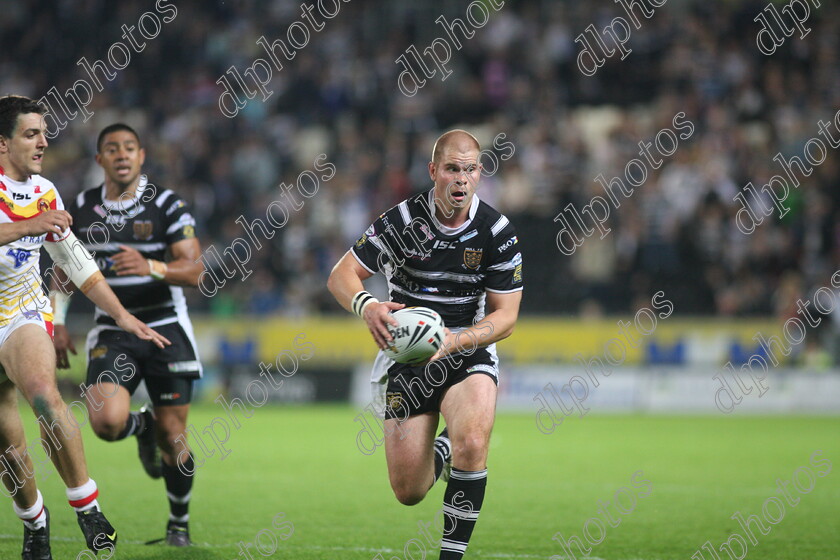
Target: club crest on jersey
x,y
43,205
20,256
472,257
98,352
142,230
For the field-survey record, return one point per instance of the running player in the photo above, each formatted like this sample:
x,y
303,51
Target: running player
x,y
31,215
151,252
447,250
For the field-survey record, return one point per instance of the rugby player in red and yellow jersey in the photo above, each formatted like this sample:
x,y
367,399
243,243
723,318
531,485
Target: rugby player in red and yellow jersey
x,y
32,215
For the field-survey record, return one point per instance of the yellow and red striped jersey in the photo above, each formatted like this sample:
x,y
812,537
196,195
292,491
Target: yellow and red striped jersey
x,y
20,275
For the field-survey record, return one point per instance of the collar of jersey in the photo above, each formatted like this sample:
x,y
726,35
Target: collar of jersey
x,y
29,182
445,230
123,204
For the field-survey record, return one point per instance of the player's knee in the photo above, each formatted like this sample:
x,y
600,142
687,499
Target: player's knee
x,y
43,395
170,441
107,429
45,401
470,451
408,496
169,433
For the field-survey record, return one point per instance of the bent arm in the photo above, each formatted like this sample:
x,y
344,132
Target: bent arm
x,y
105,299
346,279
503,313
183,270
498,324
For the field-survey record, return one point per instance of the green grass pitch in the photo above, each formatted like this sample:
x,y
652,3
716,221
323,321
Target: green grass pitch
x,y
303,462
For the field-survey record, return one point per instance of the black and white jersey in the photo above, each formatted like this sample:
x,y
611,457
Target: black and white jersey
x,y
446,269
149,222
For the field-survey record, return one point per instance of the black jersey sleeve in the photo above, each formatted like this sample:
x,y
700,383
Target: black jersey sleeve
x,y
504,273
179,221
372,249
75,210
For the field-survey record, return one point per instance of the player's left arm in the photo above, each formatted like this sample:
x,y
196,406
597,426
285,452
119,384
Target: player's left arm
x,y
498,324
101,294
183,269
81,269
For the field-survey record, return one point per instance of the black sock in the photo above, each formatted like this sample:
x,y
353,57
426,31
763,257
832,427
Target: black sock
x,y
178,490
461,506
134,425
442,453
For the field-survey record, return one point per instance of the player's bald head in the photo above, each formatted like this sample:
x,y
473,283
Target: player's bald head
x,y
459,141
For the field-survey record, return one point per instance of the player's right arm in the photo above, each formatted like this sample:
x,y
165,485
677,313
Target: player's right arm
x,y
345,282
51,221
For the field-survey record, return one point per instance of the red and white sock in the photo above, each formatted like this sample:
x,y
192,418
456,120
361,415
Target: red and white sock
x,y
34,517
83,497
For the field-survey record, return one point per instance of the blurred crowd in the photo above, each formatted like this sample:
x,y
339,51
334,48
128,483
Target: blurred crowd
x,y
518,76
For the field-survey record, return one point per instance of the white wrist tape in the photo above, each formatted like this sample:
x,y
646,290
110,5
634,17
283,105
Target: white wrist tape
x,y
360,301
157,269
75,261
60,302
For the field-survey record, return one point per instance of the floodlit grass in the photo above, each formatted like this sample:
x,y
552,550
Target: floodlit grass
x,y
303,462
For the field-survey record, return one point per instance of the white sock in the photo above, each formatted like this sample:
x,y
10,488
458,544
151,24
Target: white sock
x,y
83,497
34,517
182,519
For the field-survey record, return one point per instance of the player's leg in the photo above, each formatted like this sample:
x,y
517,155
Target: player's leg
x,y
30,364
169,376
469,408
112,377
411,418
18,477
410,456
28,357
178,466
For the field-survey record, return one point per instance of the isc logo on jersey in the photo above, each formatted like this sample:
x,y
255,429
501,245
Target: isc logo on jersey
x,y
440,244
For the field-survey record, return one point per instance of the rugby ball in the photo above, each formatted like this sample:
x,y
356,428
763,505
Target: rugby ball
x,y
417,337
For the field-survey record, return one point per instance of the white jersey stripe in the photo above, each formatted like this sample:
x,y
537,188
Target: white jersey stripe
x,y
499,225
428,297
406,216
164,196
115,247
428,275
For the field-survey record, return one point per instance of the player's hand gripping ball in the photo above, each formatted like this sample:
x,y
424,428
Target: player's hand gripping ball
x,y
418,336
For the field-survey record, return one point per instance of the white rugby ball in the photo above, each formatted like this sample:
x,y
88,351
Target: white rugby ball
x,y
417,337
